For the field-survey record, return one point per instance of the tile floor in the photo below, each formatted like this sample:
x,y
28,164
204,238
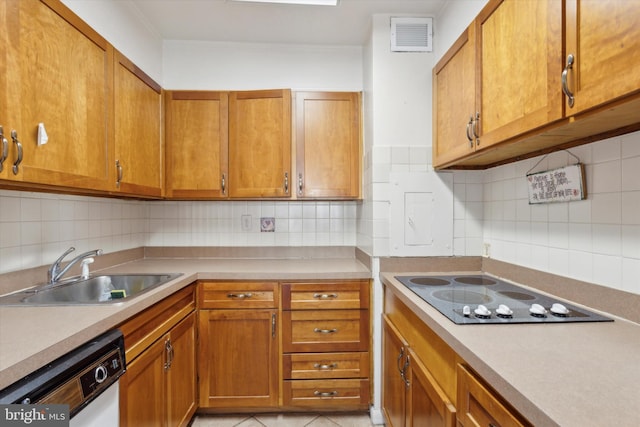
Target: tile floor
x,y
283,420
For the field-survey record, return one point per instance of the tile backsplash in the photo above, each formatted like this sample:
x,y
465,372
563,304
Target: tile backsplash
x,y
35,228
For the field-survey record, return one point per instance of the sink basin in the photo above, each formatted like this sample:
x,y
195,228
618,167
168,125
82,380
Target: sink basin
x,y
94,290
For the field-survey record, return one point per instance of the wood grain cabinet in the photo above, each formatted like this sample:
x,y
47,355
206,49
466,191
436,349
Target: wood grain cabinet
x,y
55,71
479,406
196,129
260,144
328,134
410,394
138,146
326,345
159,386
500,79
529,99
238,345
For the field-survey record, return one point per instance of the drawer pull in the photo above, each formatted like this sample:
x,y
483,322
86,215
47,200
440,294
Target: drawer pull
x,y
325,296
325,331
325,393
240,296
325,366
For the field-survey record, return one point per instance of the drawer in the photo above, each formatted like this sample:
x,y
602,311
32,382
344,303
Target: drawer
x,y
327,394
478,405
326,365
326,295
235,295
325,330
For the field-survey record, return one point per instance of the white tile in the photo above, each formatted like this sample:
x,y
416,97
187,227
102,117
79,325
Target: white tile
x,y
559,261
606,150
631,174
606,239
606,177
630,274
400,155
631,207
30,209
581,265
606,208
580,237
631,241
607,270
630,144
580,211
558,235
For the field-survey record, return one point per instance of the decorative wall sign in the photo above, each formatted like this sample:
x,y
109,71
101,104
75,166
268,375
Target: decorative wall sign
x,y
564,184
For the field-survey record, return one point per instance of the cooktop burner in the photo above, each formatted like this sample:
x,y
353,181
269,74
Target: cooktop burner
x,y
477,299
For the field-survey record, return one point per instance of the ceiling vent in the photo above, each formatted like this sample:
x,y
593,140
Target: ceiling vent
x,y
411,34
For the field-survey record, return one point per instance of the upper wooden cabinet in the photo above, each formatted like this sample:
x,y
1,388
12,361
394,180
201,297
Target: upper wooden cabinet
x,y
604,40
55,71
196,124
260,144
138,149
328,144
522,68
454,100
518,44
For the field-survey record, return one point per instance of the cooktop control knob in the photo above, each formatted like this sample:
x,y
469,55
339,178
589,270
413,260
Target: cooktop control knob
x,y
559,310
504,311
466,311
482,312
537,310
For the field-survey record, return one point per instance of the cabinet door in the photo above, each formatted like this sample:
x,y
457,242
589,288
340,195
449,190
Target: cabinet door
x,y
604,38
196,144
478,406
138,154
142,389
181,375
454,100
260,144
238,358
427,403
519,48
58,72
394,355
328,144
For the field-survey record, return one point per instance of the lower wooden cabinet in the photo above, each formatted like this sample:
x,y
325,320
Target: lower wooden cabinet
x,y
159,386
479,406
410,396
325,344
238,345
426,383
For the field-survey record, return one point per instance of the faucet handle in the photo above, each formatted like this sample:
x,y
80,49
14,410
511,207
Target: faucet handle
x,y
85,267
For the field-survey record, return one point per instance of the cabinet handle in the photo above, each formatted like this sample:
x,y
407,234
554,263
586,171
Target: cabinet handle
x,y
325,296
398,364
273,325
474,128
14,137
469,136
286,182
5,148
300,184
119,170
223,183
168,349
325,331
325,393
240,296
565,86
324,367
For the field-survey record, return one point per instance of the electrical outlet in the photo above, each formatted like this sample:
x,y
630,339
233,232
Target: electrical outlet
x,y
486,250
246,222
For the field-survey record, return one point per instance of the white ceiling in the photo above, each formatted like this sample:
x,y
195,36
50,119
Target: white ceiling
x,y
224,20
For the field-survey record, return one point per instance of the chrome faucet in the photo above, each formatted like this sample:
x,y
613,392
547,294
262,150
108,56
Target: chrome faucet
x,y
54,274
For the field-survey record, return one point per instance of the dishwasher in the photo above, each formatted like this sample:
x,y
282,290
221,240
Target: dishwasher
x,y
85,379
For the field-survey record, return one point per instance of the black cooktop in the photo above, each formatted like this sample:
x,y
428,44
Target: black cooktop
x,y
483,299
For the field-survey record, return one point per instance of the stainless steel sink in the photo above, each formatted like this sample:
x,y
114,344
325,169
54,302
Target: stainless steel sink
x,y
94,290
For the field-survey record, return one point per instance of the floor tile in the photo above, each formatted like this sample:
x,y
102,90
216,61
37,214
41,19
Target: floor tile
x,y
283,420
286,420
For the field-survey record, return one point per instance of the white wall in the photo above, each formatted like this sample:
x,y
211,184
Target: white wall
x,y
246,66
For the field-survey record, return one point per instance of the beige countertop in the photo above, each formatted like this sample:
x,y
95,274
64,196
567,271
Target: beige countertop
x,y
574,374
31,337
